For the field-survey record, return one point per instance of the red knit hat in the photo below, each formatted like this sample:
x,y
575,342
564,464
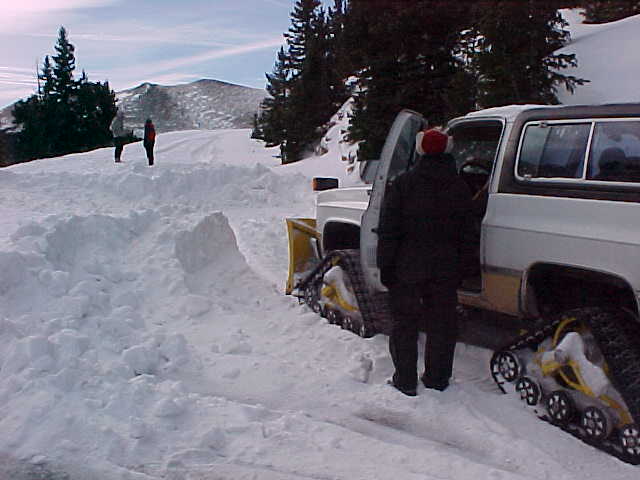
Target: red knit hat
x,y
433,142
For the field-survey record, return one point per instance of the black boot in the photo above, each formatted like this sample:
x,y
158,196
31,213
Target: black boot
x,y
435,384
408,391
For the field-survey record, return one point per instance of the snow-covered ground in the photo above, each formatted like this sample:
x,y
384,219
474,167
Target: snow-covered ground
x,y
145,335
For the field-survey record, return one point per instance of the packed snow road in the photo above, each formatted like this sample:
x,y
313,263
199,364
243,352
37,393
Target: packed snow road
x,y
145,335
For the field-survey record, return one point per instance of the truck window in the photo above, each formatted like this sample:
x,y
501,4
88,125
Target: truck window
x,y
476,142
404,152
553,151
615,152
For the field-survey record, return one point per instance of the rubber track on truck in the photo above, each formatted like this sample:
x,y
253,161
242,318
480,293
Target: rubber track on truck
x,y
374,309
619,342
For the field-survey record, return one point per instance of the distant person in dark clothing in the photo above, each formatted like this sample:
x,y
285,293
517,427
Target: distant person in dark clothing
x,y
425,245
118,132
149,139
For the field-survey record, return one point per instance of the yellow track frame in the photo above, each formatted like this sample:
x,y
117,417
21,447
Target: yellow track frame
x,y
553,367
333,294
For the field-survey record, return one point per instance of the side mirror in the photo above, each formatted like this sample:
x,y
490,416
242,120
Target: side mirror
x,y
324,183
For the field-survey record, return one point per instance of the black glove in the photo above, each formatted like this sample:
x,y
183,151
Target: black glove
x,y
388,276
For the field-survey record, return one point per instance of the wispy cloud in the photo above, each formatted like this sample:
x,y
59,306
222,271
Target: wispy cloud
x,y
145,32
17,76
15,85
153,68
147,35
219,53
15,69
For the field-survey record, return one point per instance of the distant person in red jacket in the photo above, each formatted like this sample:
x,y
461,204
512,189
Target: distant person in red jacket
x,y
149,139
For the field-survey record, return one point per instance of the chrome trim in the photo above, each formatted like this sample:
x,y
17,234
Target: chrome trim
x,y
587,152
528,178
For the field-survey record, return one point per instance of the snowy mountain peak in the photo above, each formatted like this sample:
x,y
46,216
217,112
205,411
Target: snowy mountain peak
x,y
205,104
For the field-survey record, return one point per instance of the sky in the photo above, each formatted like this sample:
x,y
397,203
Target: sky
x,y
128,42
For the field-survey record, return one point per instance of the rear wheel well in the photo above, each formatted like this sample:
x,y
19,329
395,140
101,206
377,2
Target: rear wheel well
x,y
557,288
339,236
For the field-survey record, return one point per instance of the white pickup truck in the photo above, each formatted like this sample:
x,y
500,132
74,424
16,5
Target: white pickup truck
x,y
556,197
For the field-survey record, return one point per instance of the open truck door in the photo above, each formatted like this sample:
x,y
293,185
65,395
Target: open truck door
x,y
398,155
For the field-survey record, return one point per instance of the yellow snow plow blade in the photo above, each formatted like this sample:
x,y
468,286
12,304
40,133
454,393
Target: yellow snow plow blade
x,y
303,251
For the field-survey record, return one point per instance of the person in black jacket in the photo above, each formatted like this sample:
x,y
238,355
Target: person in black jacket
x,y
149,139
425,245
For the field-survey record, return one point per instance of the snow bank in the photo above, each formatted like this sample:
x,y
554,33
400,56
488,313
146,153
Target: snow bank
x,y
607,56
92,366
80,361
83,360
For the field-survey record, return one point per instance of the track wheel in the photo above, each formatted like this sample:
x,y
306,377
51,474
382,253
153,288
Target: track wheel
x,y
347,323
334,316
560,407
360,328
508,366
529,391
364,331
630,439
312,296
596,423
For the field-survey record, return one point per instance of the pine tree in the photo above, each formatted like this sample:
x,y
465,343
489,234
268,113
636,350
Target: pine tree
x,y
33,140
64,66
93,109
6,154
358,36
307,84
516,62
603,11
410,61
46,76
65,115
338,64
272,119
310,101
301,32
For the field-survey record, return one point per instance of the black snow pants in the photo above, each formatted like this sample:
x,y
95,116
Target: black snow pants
x,y
148,146
430,306
118,142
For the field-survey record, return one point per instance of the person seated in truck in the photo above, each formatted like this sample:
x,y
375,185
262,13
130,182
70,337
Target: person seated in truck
x,y
612,163
425,244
